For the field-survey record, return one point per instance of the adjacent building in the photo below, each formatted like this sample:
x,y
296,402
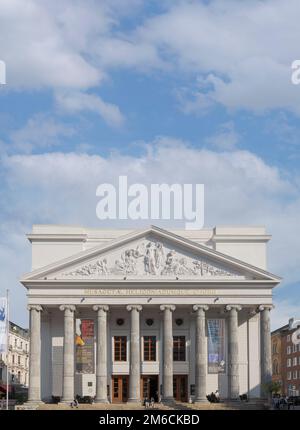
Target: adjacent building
x,y
127,314
18,357
286,360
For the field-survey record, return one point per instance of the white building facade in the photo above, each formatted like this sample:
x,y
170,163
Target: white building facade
x,y
17,357
123,315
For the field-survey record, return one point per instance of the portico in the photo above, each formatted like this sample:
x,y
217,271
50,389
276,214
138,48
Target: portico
x,y
149,312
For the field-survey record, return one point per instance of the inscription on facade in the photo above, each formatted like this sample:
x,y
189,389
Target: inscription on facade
x,y
149,292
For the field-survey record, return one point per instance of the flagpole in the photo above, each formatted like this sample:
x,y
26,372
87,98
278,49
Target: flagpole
x,y
7,346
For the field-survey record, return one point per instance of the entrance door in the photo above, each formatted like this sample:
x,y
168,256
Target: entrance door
x,y
149,387
180,388
119,388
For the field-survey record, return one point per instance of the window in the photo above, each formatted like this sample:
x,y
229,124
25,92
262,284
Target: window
x,y
120,348
274,348
179,348
19,360
295,361
288,338
216,345
149,348
13,359
289,362
295,374
288,350
289,376
16,342
294,348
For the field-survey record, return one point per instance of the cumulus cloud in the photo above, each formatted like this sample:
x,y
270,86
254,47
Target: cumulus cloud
x,y
74,102
242,51
226,138
246,190
237,54
40,132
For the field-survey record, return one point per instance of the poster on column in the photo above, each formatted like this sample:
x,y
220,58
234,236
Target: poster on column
x,y
216,345
84,342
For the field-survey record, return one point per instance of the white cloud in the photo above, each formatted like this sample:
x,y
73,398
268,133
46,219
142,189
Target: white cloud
x,y
226,138
40,132
74,102
240,188
242,51
241,58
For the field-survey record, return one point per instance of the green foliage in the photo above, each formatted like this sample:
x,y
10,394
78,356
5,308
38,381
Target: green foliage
x,y
272,387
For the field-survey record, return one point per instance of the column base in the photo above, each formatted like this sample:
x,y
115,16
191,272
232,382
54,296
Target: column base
x,y
101,401
200,401
34,402
168,400
65,402
29,405
137,401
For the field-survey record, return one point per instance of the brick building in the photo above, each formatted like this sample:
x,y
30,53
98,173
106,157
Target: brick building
x,y
286,360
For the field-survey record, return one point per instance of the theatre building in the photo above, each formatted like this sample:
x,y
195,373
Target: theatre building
x,y
127,314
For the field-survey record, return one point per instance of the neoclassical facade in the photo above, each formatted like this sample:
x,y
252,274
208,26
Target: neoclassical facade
x,y
123,315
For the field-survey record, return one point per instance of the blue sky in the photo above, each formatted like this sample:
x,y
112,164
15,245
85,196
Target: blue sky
x,y
174,91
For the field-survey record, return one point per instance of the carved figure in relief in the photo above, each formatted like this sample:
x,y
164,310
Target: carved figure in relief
x,y
149,259
159,255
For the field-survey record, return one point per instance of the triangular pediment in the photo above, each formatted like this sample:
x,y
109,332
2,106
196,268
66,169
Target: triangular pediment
x,y
150,254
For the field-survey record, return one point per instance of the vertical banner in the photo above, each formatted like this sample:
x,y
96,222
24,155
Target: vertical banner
x,y
216,345
3,324
84,342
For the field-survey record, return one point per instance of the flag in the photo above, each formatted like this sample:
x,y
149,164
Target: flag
x,y
3,324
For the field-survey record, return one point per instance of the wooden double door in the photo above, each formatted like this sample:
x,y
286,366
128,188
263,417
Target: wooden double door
x,y
180,388
120,385
149,387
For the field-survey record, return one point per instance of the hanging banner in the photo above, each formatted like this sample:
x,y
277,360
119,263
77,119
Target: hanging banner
x,y
216,345
3,324
84,342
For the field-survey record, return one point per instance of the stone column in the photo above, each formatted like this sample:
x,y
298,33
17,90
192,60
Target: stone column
x,y
34,390
167,353
233,352
68,362
135,354
101,364
201,354
265,346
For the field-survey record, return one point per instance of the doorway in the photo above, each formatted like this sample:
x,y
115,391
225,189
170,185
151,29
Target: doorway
x,y
149,387
180,383
120,388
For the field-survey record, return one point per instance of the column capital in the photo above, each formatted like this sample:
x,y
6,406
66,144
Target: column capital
x,y
71,308
170,307
37,308
198,307
136,307
228,308
261,308
104,308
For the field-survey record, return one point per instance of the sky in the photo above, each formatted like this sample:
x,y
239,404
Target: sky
x,y
158,90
